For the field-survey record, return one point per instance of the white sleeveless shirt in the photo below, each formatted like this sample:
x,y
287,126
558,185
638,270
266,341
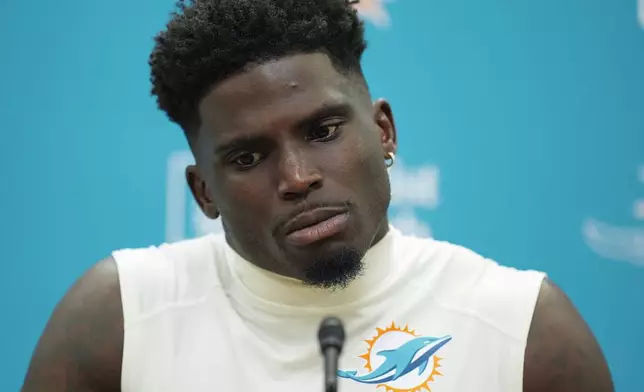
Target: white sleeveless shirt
x,y
425,315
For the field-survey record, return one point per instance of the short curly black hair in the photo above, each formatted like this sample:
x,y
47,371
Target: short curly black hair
x,y
207,41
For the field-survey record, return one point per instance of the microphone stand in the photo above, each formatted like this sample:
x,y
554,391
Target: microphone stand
x,y
331,339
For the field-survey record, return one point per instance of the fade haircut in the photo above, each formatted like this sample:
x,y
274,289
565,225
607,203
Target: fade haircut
x,y
207,41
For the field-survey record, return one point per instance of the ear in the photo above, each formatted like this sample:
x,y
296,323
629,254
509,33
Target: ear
x,y
385,120
201,193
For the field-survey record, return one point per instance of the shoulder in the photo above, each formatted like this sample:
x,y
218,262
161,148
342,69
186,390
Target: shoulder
x,y
562,354
157,277
500,296
81,346
189,252
554,346
464,282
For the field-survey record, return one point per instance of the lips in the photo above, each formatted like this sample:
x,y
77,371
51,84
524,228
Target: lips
x,y
317,224
312,217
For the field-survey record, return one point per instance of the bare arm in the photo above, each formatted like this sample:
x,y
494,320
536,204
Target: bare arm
x,y
562,355
82,346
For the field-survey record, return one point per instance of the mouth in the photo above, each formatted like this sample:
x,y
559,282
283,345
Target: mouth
x,y
315,225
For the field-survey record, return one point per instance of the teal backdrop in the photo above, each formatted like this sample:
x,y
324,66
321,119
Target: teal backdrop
x,y
521,130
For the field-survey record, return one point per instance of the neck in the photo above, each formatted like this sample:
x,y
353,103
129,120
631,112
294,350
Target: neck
x,y
381,232
278,289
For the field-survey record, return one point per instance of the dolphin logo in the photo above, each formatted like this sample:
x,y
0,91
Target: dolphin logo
x,y
415,354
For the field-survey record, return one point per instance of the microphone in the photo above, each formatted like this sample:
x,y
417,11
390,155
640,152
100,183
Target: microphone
x,y
331,338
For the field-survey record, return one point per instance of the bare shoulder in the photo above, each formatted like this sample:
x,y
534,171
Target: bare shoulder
x,y
562,354
81,348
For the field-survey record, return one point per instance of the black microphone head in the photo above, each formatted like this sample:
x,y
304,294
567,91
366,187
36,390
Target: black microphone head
x,y
331,333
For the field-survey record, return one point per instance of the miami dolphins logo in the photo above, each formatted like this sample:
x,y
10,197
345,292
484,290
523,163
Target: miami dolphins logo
x,y
400,360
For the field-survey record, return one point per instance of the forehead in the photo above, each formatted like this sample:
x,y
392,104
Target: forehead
x,y
273,94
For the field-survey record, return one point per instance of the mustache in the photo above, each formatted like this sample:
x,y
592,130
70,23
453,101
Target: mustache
x,y
283,219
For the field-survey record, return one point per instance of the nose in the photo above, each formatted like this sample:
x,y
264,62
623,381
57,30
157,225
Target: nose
x,y
298,176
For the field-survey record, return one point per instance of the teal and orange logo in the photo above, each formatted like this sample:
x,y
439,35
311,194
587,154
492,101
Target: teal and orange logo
x,y
399,360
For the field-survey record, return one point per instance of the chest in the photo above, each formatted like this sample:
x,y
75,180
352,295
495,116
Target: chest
x,y
423,348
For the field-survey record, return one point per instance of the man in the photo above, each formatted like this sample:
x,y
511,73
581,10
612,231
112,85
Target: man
x,y
292,154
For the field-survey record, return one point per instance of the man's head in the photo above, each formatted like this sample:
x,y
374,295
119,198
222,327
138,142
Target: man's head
x,y
289,148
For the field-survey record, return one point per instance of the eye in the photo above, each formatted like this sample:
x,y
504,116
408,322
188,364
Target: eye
x,y
246,160
325,132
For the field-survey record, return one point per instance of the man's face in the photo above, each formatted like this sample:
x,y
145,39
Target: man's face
x,y
291,154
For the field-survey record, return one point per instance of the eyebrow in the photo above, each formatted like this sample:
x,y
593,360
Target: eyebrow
x,y
342,109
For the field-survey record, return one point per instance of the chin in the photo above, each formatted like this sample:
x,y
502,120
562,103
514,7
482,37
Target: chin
x,y
334,268
332,262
